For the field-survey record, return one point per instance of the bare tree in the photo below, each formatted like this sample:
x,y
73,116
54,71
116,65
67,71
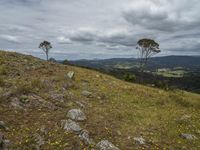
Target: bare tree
x,y
45,46
147,48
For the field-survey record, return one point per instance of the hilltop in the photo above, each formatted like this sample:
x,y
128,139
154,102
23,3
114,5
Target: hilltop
x,y
38,97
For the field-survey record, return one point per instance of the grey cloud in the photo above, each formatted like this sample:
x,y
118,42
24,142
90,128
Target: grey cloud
x,y
101,28
164,15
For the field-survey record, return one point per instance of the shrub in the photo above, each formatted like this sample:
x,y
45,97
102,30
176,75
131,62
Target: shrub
x,y
66,62
129,78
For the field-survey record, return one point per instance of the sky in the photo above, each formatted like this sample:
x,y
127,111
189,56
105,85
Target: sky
x,y
99,29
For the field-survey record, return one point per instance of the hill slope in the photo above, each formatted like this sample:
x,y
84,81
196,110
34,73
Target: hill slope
x,y
35,97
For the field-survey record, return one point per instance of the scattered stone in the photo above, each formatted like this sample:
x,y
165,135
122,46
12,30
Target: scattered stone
x,y
76,114
80,104
70,74
16,103
106,145
129,137
57,97
97,75
87,93
139,140
84,136
43,129
185,118
3,125
188,136
72,126
119,133
39,141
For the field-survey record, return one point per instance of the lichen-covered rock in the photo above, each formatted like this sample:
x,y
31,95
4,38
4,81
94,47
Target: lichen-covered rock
x,y
140,140
71,126
84,136
106,145
188,136
76,114
39,140
70,74
86,93
3,125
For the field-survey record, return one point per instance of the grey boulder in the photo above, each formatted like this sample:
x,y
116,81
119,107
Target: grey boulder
x,y
70,74
84,136
76,114
188,136
86,93
106,145
139,140
71,126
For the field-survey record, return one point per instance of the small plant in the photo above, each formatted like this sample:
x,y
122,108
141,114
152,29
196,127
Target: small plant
x,y
24,99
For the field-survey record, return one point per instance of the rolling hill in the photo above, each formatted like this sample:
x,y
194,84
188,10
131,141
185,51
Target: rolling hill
x,y
38,97
182,72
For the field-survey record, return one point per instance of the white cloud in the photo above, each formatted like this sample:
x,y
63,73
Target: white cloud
x,y
10,38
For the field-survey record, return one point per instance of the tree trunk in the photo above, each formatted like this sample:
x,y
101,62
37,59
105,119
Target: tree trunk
x,y
47,56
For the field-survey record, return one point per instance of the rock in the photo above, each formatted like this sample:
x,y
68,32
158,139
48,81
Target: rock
x,y
70,74
139,140
119,133
84,136
3,125
86,93
76,114
106,145
185,118
16,103
80,104
39,141
71,126
43,129
188,136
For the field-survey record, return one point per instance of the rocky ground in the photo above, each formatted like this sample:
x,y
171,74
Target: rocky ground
x,y
45,105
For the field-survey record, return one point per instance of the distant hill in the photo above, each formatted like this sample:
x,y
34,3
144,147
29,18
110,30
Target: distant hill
x,y
190,62
182,72
50,106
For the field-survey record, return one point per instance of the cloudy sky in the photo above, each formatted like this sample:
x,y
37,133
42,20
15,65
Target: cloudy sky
x,y
88,29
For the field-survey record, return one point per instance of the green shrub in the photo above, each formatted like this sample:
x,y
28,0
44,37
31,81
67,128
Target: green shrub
x,y
129,77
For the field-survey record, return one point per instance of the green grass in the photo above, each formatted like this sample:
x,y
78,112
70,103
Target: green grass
x,y
115,106
170,73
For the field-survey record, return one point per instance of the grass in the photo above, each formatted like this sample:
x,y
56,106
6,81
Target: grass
x,y
115,107
175,73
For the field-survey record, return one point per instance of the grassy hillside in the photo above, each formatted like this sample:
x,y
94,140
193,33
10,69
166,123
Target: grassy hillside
x,y
36,95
